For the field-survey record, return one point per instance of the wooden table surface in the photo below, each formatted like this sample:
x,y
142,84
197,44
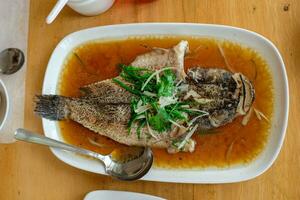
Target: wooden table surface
x,y
33,172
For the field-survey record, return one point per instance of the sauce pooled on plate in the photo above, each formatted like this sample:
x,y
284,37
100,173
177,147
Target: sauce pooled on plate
x,y
227,145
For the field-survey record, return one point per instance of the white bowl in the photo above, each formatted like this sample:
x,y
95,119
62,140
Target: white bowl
x,y
4,106
90,7
210,175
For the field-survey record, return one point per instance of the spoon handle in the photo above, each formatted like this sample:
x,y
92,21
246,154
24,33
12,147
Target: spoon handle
x,y
27,136
56,10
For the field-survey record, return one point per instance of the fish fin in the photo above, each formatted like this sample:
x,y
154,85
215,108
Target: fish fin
x,y
52,107
158,58
180,50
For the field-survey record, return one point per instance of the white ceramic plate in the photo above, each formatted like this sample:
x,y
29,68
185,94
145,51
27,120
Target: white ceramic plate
x,y
210,175
122,195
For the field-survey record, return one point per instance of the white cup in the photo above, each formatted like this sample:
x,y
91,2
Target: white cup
x,y
5,137
90,7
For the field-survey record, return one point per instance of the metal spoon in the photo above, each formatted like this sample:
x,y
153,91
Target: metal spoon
x,y
128,171
56,10
11,60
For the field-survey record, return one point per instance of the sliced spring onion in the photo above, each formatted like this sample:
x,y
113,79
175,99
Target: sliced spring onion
x,y
197,110
246,118
150,94
203,100
185,106
260,115
141,117
139,103
142,109
224,57
150,131
157,78
132,120
179,82
154,74
229,150
139,129
194,119
188,136
176,124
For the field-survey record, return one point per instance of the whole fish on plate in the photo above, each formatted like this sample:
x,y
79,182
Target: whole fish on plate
x,y
153,102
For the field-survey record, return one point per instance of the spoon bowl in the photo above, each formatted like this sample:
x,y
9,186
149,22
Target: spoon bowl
x,y
11,60
126,170
130,170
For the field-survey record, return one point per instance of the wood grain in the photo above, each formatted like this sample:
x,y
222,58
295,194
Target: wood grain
x,y
32,172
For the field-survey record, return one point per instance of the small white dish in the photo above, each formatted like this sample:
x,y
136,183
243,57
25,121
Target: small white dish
x,y
120,195
84,7
90,7
4,110
209,175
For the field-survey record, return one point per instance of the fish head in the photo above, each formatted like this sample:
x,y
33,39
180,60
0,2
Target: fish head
x,y
225,95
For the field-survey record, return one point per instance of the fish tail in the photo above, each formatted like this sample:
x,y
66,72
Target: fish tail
x,y
52,107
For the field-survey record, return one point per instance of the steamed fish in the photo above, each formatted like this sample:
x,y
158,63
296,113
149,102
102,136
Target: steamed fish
x,y
154,102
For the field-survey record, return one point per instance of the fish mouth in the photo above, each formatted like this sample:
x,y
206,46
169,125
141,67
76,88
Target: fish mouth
x,y
246,91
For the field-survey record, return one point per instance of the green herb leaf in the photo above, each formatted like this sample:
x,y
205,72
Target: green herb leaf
x,y
160,116
176,114
166,85
160,121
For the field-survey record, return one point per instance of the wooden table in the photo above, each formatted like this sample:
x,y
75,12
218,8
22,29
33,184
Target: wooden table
x,y
33,172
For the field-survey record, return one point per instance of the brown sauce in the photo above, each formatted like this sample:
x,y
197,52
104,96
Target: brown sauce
x,y
228,145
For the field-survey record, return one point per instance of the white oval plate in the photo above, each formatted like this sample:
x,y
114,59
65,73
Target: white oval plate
x,y
210,175
123,195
